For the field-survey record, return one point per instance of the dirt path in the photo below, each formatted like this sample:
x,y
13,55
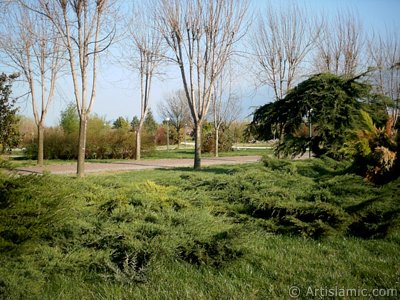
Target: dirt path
x,y
137,165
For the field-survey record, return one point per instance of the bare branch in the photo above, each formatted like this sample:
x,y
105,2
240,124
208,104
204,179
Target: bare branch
x,y
384,55
281,41
200,34
80,23
340,45
30,41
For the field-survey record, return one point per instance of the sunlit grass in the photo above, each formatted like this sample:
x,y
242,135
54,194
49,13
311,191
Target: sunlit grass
x,y
181,153
226,232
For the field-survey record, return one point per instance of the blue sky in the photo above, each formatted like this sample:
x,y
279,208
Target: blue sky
x,y
118,89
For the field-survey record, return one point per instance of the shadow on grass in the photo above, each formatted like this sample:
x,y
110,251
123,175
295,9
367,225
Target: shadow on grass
x,y
218,170
321,170
21,158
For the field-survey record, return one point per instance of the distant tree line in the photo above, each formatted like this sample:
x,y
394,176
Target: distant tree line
x,y
44,40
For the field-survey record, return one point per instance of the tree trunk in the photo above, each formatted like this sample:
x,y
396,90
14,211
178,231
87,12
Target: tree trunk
x,y
280,139
197,147
138,142
179,137
82,145
40,129
216,154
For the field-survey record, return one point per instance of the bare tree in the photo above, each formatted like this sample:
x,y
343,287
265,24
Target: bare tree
x,y
340,44
145,44
384,56
226,106
281,40
32,46
176,109
80,24
201,35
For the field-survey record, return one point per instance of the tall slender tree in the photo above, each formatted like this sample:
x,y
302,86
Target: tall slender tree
x,y
384,56
340,45
83,28
32,45
200,35
281,41
176,109
226,106
145,44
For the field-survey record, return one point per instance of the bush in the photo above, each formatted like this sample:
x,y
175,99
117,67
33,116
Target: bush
x,y
315,199
101,143
282,165
377,216
215,252
112,143
375,151
225,139
171,233
57,145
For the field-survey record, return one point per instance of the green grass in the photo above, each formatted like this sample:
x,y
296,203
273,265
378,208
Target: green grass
x,y
16,162
226,232
21,161
189,153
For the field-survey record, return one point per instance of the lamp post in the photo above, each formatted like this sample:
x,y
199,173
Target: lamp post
x,y
167,120
309,131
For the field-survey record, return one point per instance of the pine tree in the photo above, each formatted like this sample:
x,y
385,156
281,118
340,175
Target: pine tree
x,y
317,113
121,123
150,125
9,133
135,123
70,119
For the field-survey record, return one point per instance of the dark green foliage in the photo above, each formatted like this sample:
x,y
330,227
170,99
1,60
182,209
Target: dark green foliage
x,y
121,123
150,125
377,216
375,106
266,121
69,120
103,142
334,101
225,140
215,252
9,133
135,123
308,199
226,231
279,164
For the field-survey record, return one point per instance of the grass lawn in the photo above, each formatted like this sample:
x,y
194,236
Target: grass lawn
x,y
189,153
21,161
229,232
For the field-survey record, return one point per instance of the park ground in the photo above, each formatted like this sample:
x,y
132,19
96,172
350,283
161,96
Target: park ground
x,y
161,158
261,230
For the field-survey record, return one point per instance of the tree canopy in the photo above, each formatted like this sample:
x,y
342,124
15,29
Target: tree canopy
x,y
150,124
330,102
69,120
121,123
9,133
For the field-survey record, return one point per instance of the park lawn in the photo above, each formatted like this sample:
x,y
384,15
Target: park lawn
x,y
189,153
7,162
21,161
226,232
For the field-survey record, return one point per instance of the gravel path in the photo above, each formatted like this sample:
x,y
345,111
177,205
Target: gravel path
x,y
128,165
